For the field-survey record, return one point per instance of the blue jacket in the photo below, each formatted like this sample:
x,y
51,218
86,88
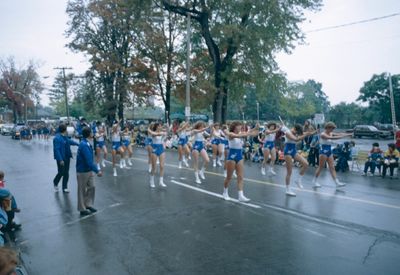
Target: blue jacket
x,y
84,159
62,147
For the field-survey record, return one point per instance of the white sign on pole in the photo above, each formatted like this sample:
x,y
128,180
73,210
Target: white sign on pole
x,y
187,111
319,119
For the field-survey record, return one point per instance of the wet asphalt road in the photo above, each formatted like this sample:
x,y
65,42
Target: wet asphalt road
x,y
187,229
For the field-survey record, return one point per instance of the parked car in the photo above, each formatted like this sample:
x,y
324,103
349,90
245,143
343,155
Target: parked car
x,y
21,131
388,127
6,129
369,131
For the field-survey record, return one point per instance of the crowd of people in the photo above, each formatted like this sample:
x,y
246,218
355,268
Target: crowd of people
x,y
198,145
300,145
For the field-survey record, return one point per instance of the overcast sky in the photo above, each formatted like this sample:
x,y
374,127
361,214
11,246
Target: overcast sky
x,y
341,59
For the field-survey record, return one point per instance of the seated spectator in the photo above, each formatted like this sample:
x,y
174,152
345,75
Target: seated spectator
x,y
391,160
11,225
375,157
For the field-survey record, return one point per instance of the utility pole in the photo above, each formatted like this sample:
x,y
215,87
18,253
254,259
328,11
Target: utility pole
x,y
65,87
187,107
392,106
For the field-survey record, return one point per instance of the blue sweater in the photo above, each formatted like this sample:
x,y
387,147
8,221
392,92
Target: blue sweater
x,y
62,147
84,159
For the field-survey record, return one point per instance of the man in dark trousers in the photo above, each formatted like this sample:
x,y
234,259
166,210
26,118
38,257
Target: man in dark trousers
x,y
62,155
85,166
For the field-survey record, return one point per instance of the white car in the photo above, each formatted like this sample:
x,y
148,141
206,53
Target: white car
x,y
6,129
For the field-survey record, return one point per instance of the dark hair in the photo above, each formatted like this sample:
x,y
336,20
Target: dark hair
x,y
392,145
298,128
62,128
86,131
233,125
155,126
375,144
1,175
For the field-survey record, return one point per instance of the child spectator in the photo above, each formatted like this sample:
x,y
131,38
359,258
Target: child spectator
x,y
391,160
375,157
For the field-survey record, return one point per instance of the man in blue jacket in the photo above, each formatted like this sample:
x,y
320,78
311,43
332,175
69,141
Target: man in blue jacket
x,y
62,155
85,166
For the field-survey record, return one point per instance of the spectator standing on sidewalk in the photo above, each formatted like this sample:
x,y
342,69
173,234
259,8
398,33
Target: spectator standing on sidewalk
x,y
62,155
398,140
85,166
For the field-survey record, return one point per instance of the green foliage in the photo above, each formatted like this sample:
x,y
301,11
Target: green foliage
x,y
376,93
347,115
241,38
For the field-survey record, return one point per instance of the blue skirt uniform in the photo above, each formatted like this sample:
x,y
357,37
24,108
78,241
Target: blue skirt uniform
x,y
325,150
235,155
269,145
290,149
158,149
198,146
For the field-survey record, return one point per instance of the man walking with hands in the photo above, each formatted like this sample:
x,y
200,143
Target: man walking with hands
x,y
85,166
62,155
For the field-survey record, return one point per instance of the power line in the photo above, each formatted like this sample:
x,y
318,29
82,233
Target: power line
x,y
355,23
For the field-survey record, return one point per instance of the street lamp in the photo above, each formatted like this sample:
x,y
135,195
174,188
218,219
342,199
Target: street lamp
x,y
258,112
187,107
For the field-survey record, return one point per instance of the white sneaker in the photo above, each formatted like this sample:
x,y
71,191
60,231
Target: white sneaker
x,y
189,157
152,185
299,183
66,190
316,184
225,173
219,163
272,172
290,192
129,162
198,181
121,164
98,166
56,189
234,174
263,171
226,196
339,184
115,172
103,163
162,184
185,162
180,165
242,198
201,174
214,163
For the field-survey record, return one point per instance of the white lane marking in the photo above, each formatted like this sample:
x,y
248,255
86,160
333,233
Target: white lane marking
x,y
304,216
214,194
315,233
297,189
